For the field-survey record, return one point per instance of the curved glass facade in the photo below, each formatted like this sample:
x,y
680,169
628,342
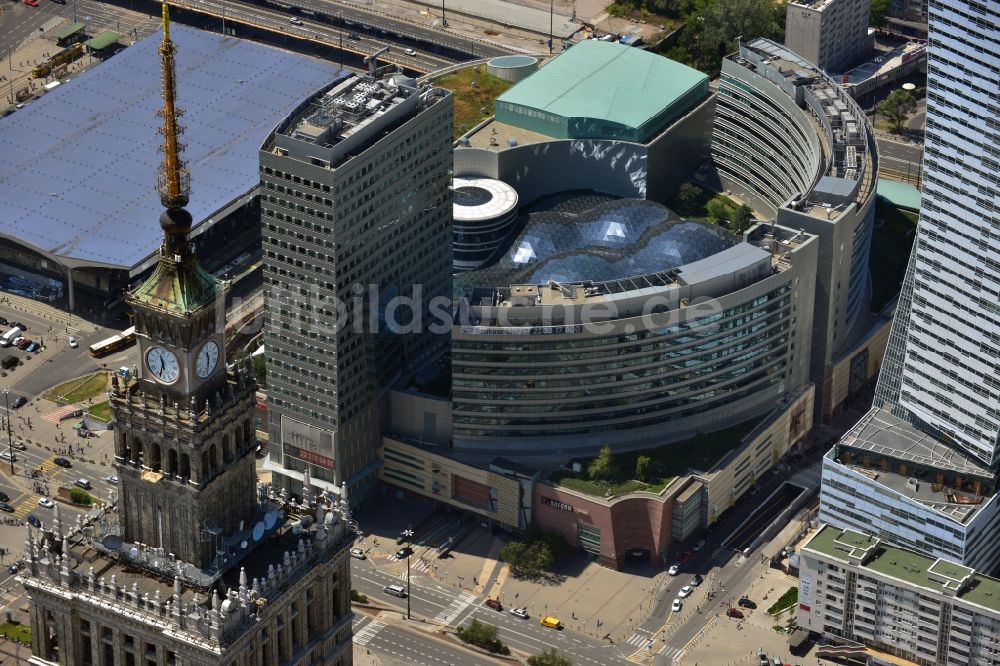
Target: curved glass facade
x,y
549,385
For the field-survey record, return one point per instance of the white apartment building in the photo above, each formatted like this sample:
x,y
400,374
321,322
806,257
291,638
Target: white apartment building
x,y
927,610
831,34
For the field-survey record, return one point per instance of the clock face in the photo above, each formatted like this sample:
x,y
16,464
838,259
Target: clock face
x,y
207,358
163,364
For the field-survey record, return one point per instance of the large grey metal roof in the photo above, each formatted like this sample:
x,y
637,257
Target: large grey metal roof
x,y
78,166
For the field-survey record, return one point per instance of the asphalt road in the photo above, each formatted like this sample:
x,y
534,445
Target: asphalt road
x,y
411,646
431,600
899,156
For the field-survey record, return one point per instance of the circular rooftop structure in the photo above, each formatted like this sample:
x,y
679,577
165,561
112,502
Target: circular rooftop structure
x,y
512,68
484,211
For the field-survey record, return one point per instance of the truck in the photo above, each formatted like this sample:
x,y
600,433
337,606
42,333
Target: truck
x,y
10,336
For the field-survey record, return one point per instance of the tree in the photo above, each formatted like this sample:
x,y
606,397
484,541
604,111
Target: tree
x,y
718,209
527,560
742,218
879,10
722,21
484,635
260,369
897,107
550,657
603,466
642,467
687,197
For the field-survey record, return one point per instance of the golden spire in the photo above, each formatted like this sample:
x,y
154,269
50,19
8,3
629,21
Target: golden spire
x,y
172,180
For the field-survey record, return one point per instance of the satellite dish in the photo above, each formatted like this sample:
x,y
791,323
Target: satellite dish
x,y
258,531
271,518
243,544
133,551
112,542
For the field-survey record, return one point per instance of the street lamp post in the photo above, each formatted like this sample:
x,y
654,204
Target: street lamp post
x,y
409,542
10,435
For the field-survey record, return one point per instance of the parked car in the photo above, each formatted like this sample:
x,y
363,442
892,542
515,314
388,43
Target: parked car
x,y
4,497
15,567
676,606
358,554
3,321
7,507
31,3
494,604
674,569
762,659
23,344
403,552
19,401
73,343
520,612
686,556
46,502
732,612
684,592
23,327
746,603
33,347
697,580
62,462
16,342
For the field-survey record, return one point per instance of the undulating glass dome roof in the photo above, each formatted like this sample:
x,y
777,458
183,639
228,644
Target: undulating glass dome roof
x,y
607,241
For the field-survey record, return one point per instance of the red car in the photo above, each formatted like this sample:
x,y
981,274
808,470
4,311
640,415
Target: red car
x,y
686,556
494,604
732,612
31,3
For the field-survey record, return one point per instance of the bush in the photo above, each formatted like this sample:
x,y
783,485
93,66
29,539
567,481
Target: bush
x,y
550,657
603,466
642,468
788,599
358,598
482,635
80,496
718,209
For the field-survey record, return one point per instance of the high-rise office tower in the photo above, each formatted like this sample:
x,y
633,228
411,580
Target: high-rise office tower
x,y
920,470
944,354
193,564
356,213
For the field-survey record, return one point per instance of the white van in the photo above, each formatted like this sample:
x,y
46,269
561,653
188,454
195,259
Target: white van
x,y
8,338
395,590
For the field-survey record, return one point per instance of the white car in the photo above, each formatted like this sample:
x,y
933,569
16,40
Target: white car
x,y
111,479
520,612
684,592
676,606
73,343
410,52
358,554
674,569
46,502
295,21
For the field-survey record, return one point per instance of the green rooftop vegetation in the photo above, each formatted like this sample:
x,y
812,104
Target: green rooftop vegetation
x,y
697,203
652,470
475,90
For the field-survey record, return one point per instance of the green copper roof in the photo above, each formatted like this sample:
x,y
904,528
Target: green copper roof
x,y
178,287
612,82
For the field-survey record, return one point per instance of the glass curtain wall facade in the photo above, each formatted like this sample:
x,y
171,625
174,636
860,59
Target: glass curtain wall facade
x,y
941,368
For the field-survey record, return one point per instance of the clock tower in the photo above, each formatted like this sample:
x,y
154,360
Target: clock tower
x,y
184,435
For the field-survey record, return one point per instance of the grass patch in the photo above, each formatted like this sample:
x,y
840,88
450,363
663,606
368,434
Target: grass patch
x,y
101,411
666,463
473,104
892,240
16,632
785,601
79,389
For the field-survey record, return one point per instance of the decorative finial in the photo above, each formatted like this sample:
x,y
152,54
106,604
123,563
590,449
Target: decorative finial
x,y
173,180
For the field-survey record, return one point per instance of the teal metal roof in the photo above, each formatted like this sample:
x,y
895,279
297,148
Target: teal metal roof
x,y
606,80
900,195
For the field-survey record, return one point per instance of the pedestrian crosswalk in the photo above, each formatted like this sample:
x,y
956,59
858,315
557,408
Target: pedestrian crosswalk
x,y
675,655
455,608
368,632
638,639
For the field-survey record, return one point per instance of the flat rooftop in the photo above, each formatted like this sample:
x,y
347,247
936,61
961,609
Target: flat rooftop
x,y
933,574
883,63
78,166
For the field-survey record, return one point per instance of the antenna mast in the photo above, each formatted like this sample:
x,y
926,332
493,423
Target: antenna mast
x,y
172,180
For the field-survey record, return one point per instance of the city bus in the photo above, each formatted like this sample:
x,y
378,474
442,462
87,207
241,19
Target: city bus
x,y
114,343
